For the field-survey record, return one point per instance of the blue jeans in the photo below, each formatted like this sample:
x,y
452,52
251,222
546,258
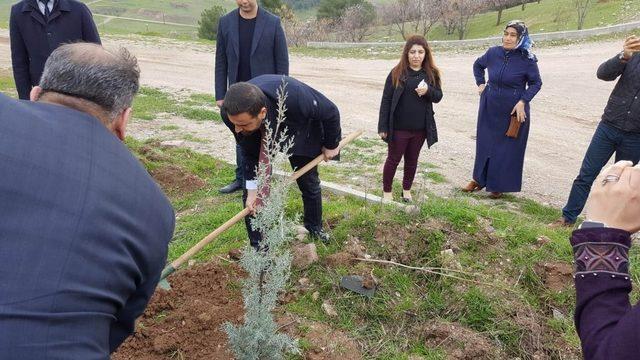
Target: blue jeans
x,y
606,140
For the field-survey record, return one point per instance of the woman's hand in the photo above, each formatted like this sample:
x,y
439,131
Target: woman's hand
x,y
615,197
421,91
481,88
383,135
519,111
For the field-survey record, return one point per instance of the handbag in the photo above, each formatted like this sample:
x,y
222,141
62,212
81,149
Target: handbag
x,y
514,127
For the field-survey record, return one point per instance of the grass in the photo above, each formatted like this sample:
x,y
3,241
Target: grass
x,y
498,241
151,103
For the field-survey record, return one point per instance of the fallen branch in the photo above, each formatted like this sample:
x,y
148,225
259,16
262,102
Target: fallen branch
x,y
438,271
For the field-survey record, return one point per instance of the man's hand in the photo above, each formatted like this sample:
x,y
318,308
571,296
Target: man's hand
x,y
219,103
631,46
330,153
615,197
383,135
520,111
252,196
481,88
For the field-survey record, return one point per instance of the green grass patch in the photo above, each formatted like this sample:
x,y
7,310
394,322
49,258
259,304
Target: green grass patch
x,y
436,177
169,127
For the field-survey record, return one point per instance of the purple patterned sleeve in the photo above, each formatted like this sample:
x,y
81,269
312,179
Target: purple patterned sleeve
x,y
605,321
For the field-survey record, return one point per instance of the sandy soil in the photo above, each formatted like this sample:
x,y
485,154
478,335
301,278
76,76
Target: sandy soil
x,y
564,113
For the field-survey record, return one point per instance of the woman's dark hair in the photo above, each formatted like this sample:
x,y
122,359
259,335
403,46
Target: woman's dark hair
x,y
399,72
244,97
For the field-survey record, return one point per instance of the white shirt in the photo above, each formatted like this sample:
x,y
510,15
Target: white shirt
x,y
49,5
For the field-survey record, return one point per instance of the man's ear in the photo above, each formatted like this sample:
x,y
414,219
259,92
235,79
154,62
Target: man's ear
x,y
35,93
263,113
119,125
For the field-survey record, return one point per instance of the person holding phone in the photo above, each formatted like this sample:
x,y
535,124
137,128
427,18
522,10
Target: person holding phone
x,y
406,112
514,80
619,130
605,320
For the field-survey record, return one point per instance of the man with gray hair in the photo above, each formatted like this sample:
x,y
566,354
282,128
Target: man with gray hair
x,y
84,230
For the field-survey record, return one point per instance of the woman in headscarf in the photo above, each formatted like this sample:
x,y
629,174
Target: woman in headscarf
x,y
514,79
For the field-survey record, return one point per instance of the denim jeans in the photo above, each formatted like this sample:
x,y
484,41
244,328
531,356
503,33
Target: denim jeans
x,y
606,140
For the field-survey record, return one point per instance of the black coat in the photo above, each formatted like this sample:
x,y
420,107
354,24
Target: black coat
x,y
623,108
311,118
33,39
269,53
391,97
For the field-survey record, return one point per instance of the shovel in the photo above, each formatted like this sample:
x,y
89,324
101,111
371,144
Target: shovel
x,y
175,264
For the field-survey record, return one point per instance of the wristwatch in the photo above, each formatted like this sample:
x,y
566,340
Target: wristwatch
x,y
588,224
621,57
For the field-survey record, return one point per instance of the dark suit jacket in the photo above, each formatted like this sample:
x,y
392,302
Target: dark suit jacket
x,y
33,39
83,234
269,54
311,118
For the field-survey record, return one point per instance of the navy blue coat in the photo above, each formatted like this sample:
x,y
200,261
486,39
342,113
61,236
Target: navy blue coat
x,y
33,39
311,118
512,77
84,232
269,54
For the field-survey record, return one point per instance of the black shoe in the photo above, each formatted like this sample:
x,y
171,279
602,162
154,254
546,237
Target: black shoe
x,y
233,187
320,235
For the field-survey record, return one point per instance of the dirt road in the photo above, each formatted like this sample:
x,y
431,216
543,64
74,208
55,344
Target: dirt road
x,y
564,113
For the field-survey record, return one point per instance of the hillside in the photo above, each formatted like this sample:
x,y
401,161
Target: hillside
x,y
176,18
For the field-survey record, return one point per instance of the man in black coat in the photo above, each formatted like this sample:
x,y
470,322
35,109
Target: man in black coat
x,y
84,229
619,130
37,27
250,42
312,120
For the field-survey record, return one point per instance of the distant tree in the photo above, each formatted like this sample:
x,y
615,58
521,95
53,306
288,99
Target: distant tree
x,y
356,22
334,9
208,23
462,11
583,7
271,5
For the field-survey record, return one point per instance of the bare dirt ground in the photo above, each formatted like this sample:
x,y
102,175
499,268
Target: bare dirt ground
x,y
564,113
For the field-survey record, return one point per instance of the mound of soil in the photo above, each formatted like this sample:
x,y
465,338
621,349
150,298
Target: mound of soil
x,y
177,180
185,323
459,342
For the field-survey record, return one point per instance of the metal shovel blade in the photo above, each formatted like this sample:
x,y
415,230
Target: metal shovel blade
x,y
164,285
354,283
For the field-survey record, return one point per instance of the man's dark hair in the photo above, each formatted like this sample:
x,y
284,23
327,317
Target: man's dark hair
x,y
244,97
87,71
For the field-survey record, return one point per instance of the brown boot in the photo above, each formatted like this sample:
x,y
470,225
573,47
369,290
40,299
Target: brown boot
x,y
495,195
471,187
561,223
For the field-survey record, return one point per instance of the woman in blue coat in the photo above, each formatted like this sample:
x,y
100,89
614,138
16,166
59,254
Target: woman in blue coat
x,y
514,79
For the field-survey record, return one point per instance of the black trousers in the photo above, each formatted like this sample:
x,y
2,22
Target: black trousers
x,y
309,185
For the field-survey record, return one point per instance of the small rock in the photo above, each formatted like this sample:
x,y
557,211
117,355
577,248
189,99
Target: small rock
x,y
304,282
191,262
204,317
172,143
301,230
235,254
304,255
315,296
558,315
329,310
542,240
412,210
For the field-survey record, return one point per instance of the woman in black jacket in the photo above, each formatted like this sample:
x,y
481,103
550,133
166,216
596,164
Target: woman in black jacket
x,y
406,112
